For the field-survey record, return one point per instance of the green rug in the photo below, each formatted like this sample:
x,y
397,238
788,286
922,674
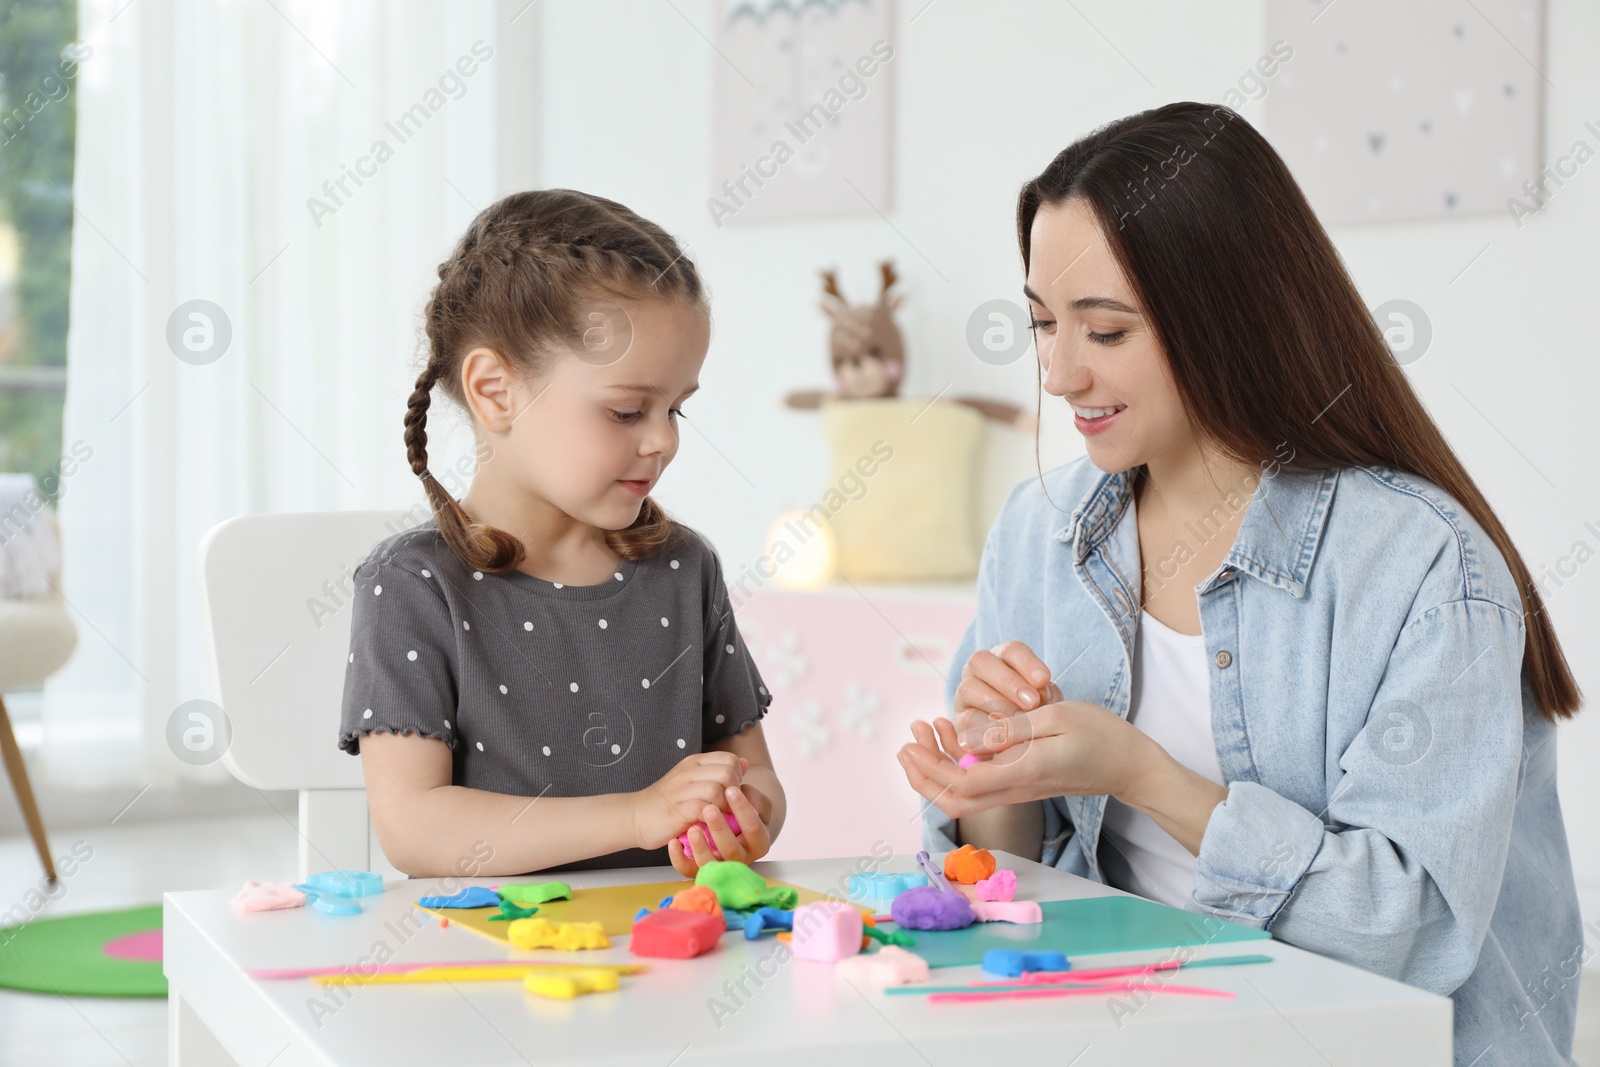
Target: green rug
x,y
101,954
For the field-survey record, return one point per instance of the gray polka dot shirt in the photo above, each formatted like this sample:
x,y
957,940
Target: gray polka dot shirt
x,y
543,689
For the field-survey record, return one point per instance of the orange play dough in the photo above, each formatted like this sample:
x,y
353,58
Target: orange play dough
x,y
968,865
699,898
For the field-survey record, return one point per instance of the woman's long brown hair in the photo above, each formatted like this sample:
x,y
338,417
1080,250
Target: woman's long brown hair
x,y
1266,336
519,282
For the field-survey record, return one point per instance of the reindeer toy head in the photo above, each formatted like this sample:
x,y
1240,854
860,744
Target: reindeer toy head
x,y
869,355
867,351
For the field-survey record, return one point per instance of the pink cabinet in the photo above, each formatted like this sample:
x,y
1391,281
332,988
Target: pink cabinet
x,y
850,667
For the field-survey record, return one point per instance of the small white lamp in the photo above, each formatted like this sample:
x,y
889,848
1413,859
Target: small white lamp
x,y
801,550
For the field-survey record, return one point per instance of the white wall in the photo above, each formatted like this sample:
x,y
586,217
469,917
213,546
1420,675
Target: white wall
x,y
985,94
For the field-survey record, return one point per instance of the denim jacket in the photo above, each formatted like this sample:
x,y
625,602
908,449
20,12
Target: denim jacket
x,y
1391,784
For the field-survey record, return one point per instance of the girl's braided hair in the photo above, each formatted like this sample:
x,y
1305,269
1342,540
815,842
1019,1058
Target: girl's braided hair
x,y
519,282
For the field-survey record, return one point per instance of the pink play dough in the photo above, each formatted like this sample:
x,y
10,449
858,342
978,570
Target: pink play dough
x,y
890,965
1007,911
144,946
1001,885
826,932
267,896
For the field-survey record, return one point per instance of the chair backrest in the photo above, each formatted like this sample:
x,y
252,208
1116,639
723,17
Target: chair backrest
x,y
275,594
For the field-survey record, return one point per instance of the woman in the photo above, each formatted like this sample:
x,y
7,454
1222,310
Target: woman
x,y
1282,664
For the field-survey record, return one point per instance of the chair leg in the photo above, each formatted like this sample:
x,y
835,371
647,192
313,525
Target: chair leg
x,y
19,781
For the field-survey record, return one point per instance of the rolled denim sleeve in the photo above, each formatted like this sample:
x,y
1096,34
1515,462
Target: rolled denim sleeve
x,y
1400,874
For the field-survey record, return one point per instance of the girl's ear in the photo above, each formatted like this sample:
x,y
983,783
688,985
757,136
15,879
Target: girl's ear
x,y
487,387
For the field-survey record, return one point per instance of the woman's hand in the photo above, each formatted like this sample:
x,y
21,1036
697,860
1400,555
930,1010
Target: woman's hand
x,y
751,842
1000,682
1067,748
667,807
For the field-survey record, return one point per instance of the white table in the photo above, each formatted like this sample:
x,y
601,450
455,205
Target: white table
x,y
1301,1008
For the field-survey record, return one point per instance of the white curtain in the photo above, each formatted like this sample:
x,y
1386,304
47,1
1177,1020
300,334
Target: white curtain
x,y
213,139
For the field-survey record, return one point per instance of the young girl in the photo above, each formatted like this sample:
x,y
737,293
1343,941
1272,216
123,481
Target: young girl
x,y
548,673
1265,652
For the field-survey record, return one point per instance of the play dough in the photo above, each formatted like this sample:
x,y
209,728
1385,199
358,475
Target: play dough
x,y
1007,911
968,865
526,893
1011,963
826,932
727,817
266,896
698,898
1001,885
740,888
927,908
576,984
886,967
674,933
472,897
542,933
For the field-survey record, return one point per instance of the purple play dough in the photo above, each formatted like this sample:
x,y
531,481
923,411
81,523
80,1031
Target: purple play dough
x,y
927,908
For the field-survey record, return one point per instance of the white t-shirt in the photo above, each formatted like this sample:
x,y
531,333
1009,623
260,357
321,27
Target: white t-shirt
x,y
1171,702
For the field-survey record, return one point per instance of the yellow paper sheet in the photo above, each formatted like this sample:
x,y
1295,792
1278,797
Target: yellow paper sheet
x,y
614,906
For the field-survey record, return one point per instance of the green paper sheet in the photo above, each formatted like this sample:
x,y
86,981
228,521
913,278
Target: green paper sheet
x,y
1083,928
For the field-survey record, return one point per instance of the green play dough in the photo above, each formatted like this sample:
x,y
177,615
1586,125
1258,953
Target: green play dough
x,y
740,888
535,892
510,911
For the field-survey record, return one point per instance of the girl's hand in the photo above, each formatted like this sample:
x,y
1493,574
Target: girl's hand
x,y
1001,682
1068,748
748,845
666,808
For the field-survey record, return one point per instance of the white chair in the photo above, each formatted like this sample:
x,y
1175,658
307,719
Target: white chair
x,y
275,598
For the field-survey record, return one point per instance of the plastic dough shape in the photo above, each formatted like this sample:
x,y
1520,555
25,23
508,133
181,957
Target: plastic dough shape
x,y
346,884
826,932
1001,885
475,896
885,885
885,967
567,986
1007,911
1010,963
700,898
535,892
675,934
968,865
542,933
740,888
927,908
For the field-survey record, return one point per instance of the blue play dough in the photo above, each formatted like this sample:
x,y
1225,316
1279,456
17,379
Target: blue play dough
x,y
1010,963
764,919
472,897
